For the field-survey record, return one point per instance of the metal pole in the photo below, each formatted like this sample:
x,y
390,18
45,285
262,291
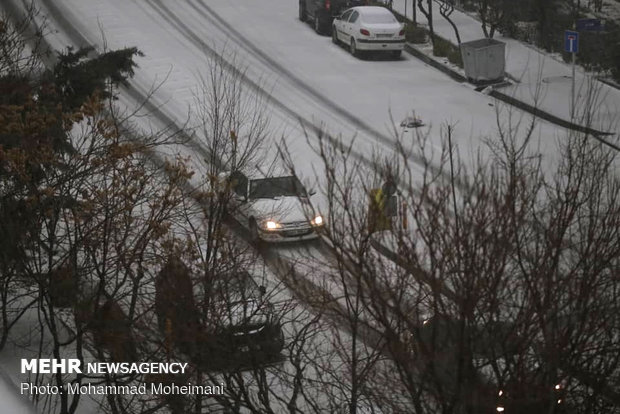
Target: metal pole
x,y
572,111
572,91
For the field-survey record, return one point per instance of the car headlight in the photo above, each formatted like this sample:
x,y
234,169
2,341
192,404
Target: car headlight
x,y
272,225
317,221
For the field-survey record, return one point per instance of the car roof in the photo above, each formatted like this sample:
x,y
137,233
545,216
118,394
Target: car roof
x,y
256,174
410,119
372,10
235,278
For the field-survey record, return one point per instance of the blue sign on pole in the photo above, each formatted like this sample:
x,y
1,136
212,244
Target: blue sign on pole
x,y
571,41
589,25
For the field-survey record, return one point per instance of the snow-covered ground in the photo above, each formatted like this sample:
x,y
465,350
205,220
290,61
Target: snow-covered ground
x,y
307,77
544,80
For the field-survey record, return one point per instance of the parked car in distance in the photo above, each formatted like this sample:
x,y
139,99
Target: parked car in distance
x,y
321,12
273,208
369,28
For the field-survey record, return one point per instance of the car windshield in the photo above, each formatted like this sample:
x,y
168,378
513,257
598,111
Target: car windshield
x,y
234,287
236,300
276,187
374,18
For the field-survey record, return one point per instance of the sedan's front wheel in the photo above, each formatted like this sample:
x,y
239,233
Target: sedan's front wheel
x,y
334,36
254,236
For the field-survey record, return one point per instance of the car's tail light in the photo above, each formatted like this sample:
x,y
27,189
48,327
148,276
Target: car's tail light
x,y
365,32
401,33
328,4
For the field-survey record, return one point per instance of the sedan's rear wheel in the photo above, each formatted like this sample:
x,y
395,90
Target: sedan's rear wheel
x,y
334,35
254,236
353,48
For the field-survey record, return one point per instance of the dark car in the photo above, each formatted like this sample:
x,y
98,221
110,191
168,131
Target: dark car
x,y
229,324
243,327
248,340
322,12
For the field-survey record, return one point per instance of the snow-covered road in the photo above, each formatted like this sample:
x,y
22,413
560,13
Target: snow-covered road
x,y
307,77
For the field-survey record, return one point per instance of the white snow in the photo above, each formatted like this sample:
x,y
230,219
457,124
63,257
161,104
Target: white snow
x,y
321,83
544,80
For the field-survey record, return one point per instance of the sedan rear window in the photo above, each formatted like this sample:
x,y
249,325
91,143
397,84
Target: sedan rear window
x,y
379,18
345,16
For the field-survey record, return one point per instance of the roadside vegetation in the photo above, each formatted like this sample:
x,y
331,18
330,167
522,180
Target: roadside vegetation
x,y
538,22
543,23
506,293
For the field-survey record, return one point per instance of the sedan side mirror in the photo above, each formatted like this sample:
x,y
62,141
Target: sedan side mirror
x,y
240,198
312,192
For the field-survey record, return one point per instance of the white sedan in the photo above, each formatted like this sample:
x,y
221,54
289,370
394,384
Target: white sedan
x,y
274,208
369,28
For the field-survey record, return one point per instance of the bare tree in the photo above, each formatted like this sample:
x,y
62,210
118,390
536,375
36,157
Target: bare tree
x,y
491,13
20,64
234,133
21,50
446,8
427,11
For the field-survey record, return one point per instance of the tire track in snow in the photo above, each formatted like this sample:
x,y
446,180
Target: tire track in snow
x,y
245,43
163,11
279,263
194,38
279,260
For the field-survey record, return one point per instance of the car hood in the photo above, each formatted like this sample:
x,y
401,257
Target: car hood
x,y
281,209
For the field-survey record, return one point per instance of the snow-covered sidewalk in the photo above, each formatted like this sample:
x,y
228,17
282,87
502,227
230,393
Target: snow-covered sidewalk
x,y
12,401
544,80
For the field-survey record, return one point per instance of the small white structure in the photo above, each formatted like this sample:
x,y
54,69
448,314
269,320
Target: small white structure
x,y
484,60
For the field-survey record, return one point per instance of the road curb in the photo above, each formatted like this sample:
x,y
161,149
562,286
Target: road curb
x,y
537,112
412,50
